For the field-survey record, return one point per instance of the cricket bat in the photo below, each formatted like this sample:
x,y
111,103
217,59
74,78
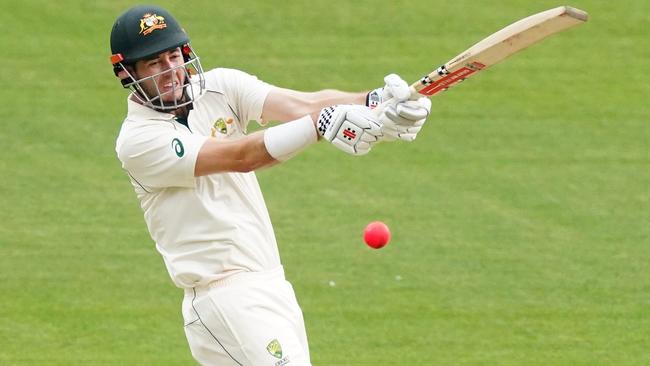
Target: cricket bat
x,y
497,47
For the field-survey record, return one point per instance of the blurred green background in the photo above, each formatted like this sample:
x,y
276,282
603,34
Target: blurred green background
x,y
520,216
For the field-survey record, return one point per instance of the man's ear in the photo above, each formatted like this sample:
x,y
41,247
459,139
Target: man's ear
x,y
121,73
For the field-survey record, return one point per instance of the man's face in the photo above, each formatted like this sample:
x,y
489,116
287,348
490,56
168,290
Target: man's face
x,y
167,81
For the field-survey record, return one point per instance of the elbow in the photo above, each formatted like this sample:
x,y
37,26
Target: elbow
x,y
247,166
240,156
247,161
244,167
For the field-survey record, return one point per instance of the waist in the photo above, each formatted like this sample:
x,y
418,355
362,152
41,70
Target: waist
x,y
238,278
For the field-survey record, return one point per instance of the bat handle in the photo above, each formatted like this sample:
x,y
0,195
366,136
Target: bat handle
x,y
380,108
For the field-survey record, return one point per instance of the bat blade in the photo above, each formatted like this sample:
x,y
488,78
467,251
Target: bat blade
x,y
498,46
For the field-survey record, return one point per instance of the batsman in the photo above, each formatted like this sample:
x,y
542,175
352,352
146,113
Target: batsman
x,y
185,149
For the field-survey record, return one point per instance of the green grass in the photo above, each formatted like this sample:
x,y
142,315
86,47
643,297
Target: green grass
x,y
520,216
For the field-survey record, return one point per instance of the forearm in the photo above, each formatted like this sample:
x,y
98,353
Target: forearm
x,y
257,150
286,105
328,97
246,154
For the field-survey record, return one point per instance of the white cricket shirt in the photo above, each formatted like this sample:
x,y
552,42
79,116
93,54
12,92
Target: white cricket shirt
x,y
209,227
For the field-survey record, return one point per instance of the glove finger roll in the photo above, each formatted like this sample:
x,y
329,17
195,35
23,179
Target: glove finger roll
x,y
412,110
396,87
394,117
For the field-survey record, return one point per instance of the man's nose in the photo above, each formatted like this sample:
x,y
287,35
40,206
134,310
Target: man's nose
x,y
167,63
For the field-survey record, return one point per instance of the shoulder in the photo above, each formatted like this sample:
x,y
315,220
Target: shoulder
x,y
132,128
134,135
224,79
228,73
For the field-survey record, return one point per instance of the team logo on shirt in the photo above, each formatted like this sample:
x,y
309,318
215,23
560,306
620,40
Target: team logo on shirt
x,y
221,126
150,22
274,348
177,145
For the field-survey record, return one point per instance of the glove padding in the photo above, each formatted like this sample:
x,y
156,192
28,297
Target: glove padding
x,y
401,118
396,88
351,128
404,120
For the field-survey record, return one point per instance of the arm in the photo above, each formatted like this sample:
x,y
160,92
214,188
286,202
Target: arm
x,y
286,105
241,155
401,120
250,152
305,119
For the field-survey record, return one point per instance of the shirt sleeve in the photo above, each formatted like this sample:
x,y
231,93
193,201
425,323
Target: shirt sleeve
x,y
161,157
247,93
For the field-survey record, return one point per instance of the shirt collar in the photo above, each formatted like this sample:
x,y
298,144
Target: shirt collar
x,y
139,112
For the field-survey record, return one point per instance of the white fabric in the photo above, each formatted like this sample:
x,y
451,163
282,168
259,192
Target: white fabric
x,y
400,117
157,153
405,119
226,325
209,227
351,128
286,140
396,88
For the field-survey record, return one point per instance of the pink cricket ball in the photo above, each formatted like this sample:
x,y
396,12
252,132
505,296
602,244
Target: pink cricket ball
x,y
376,234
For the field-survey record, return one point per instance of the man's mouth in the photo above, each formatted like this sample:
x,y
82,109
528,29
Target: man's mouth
x,y
170,85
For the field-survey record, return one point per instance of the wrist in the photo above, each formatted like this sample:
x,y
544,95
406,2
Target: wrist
x,y
286,140
373,98
324,120
314,118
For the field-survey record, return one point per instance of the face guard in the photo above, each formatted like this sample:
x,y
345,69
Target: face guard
x,y
193,86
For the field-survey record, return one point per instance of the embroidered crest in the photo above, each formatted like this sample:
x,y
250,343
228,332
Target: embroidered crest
x,y
150,22
274,348
221,126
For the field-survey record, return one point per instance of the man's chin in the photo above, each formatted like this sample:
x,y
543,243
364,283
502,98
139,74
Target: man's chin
x,y
170,102
176,97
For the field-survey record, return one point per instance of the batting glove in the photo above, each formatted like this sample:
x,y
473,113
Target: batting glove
x,y
401,118
404,120
396,88
351,128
